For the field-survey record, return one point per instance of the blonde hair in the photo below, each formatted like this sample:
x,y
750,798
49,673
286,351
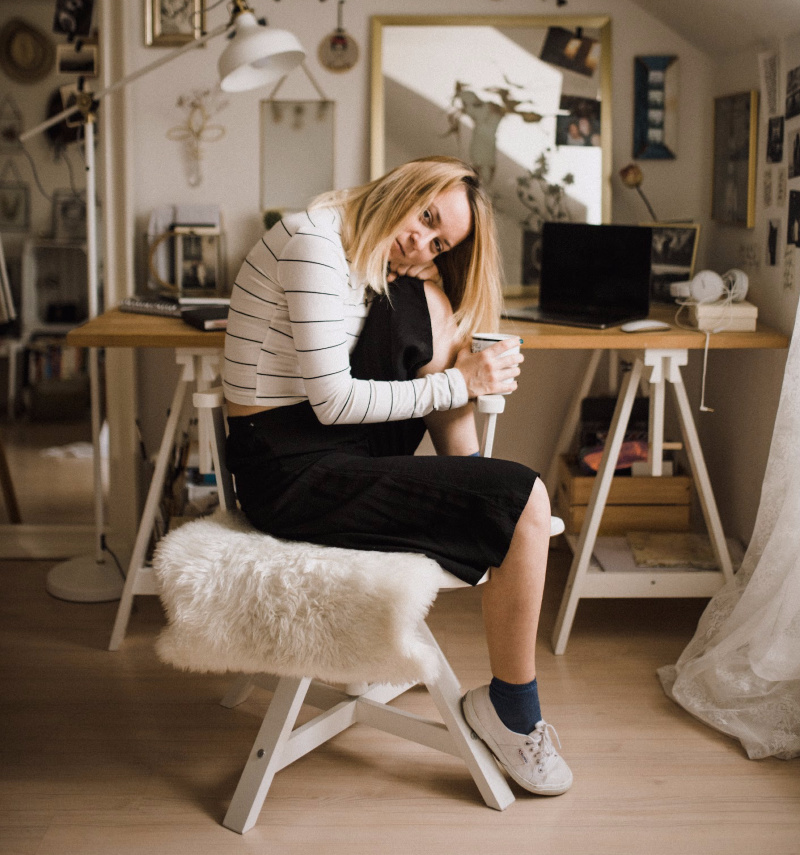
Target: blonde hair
x,y
373,213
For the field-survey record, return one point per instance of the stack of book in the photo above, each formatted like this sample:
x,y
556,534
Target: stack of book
x,y
723,315
205,313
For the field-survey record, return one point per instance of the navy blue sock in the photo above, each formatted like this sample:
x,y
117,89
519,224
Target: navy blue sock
x,y
516,704
474,454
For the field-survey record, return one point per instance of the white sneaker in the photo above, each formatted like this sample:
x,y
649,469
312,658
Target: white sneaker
x,y
531,759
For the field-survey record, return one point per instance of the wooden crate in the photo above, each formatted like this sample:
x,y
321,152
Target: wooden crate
x,y
644,503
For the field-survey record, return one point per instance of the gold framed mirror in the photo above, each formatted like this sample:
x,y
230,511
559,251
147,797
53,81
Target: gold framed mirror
x,y
525,99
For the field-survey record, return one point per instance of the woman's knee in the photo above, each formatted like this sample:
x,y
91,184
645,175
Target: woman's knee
x,y
536,513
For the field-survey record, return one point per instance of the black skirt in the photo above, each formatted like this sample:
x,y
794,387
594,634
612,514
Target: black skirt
x,y
360,486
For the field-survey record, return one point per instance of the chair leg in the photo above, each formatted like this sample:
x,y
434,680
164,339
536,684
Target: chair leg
x,y
238,692
265,755
446,694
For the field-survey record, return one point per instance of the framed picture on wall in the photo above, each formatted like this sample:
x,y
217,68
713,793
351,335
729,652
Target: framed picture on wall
x,y
733,199
15,206
69,216
169,23
655,106
673,257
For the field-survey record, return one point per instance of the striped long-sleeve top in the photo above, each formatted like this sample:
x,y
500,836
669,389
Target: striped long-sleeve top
x,y
296,313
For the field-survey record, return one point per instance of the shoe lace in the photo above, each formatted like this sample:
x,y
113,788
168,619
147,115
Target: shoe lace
x,y
540,744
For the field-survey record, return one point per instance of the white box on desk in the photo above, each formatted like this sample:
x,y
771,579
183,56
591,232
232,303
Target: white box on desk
x,y
724,315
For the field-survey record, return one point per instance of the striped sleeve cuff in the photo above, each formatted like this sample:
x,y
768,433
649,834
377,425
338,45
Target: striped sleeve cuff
x,y
458,388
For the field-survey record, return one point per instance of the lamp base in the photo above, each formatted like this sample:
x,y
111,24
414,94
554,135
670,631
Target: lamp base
x,y
84,580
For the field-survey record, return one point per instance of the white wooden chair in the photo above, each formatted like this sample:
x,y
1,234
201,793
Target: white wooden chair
x,y
278,743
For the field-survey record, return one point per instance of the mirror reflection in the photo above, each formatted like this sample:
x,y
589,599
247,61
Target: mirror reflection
x,y
526,100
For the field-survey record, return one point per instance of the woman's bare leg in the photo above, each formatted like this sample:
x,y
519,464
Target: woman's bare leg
x,y
512,597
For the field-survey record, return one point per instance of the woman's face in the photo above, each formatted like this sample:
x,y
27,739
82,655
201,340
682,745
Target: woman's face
x,y
442,225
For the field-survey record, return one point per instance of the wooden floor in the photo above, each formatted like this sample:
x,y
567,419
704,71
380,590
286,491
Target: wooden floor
x,y
115,754
51,483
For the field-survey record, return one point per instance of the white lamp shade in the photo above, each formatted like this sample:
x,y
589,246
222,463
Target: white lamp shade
x,y
257,55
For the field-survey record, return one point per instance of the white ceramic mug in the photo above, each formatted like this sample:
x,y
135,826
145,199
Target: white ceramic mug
x,y
482,340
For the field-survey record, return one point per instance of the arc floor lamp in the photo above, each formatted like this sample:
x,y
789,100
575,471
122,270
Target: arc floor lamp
x,y
256,55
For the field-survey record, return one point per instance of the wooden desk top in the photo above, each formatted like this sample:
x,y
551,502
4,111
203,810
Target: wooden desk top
x,y
125,329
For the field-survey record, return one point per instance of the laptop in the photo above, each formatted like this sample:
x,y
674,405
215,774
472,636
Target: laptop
x,y
595,276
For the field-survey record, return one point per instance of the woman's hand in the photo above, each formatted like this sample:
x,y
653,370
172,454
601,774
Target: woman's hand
x,y
490,371
427,272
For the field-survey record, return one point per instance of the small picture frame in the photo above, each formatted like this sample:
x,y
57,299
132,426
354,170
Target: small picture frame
x,y
673,257
169,23
69,217
734,175
197,255
72,60
655,101
15,206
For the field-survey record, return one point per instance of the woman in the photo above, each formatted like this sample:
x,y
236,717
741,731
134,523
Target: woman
x,y
347,339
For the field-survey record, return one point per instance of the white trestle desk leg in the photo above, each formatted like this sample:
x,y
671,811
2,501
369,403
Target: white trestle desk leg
x,y
594,511
655,429
207,373
570,424
133,581
702,481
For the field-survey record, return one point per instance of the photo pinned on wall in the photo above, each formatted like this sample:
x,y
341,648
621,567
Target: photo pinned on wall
x,y
788,267
793,153
10,124
73,17
69,216
773,231
793,93
655,100
69,97
769,68
673,257
734,173
775,140
571,50
780,193
766,188
793,229
581,125
78,58
169,23
15,206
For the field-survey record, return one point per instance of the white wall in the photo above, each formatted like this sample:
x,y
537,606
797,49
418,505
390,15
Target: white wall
x,y
149,171
739,384
745,386
676,188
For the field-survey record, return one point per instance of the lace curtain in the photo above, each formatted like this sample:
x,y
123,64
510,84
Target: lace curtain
x,y
741,671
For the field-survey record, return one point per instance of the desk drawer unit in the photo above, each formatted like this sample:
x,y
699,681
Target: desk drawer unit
x,y
643,503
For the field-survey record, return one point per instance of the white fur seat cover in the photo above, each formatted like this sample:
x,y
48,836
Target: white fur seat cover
x,y
239,600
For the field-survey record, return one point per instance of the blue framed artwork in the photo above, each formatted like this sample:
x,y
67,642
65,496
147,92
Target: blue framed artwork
x,y
655,107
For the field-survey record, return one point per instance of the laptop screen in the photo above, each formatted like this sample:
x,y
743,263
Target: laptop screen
x,y
602,270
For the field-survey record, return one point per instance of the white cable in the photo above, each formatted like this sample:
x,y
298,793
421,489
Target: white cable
x,y
703,407
687,303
